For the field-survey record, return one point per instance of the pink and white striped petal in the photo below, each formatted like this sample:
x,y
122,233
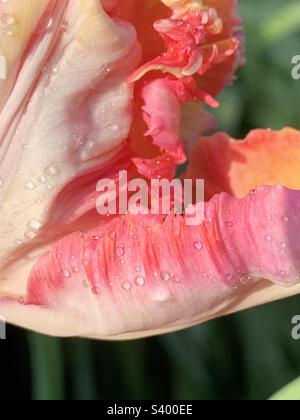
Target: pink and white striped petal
x,y
138,276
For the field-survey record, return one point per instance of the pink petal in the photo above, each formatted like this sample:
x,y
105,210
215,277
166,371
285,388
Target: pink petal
x,y
139,276
64,95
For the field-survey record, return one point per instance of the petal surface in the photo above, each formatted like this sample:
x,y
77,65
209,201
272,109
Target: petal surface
x,y
265,157
138,276
69,112
66,122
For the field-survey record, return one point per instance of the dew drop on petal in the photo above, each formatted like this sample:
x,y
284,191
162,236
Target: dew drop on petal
x,y
66,274
229,224
228,276
29,185
42,179
95,291
127,286
85,284
140,281
34,225
198,245
30,235
51,171
268,238
165,276
120,251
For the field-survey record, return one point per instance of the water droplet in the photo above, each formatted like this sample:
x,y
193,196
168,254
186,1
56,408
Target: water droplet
x,y
66,274
229,277
140,281
176,279
165,276
112,235
106,68
34,225
120,251
7,22
85,284
198,246
282,273
113,128
229,224
42,179
127,286
51,171
7,19
29,185
245,278
30,235
268,238
96,291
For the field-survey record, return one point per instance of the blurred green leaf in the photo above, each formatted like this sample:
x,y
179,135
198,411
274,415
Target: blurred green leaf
x,y
83,379
47,368
289,393
281,23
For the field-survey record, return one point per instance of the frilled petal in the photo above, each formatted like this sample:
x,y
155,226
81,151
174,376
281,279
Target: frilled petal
x,y
223,73
162,114
200,39
138,276
66,122
198,36
265,157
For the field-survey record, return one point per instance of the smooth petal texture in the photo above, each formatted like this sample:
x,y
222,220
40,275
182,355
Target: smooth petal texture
x,y
144,275
18,20
265,157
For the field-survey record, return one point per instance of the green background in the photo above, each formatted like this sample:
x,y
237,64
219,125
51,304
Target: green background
x,y
245,356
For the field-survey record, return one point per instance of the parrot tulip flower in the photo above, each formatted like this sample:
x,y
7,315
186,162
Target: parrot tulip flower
x,y
95,87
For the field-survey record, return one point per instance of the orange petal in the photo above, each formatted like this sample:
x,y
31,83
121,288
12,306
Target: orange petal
x,y
265,157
